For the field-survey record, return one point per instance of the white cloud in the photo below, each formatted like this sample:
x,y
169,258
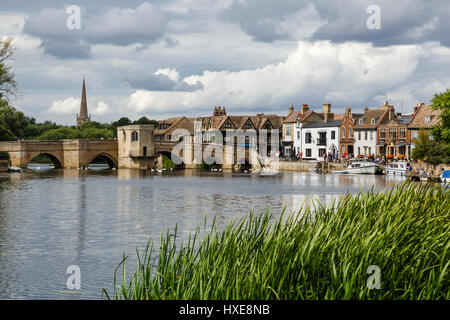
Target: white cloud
x,y
101,109
71,106
68,106
348,73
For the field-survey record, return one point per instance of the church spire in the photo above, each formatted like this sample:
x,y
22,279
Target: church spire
x,y
84,117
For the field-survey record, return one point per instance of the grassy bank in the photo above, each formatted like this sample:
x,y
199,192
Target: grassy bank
x,y
404,231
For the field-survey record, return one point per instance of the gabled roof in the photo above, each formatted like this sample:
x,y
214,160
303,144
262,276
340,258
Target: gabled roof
x,y
294,115
367,117
418,119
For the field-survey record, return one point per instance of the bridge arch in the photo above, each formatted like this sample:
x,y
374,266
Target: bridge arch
x,y
52,156
105,157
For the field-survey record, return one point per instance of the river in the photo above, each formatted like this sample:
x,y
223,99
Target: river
x,y
51,219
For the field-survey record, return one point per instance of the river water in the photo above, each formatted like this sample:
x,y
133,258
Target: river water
x,y
51,219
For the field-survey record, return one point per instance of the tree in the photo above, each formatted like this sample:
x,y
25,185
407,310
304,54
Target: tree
x,y
8,85
441,102
423,146
145,120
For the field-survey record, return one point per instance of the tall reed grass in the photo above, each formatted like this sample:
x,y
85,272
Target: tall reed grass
x,y
319,253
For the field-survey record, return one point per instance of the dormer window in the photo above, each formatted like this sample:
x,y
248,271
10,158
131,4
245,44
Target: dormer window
x,y
361,121
427,119
373,121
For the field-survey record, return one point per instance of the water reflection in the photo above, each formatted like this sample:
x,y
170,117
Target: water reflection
x,y
50,219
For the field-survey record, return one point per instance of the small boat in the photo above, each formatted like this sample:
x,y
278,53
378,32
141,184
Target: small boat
x,y
445,176
360,167
399,168
14,169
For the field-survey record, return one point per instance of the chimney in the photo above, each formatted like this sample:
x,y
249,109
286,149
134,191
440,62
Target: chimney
x,y
326,108
304,109
391,112
291,108
223,111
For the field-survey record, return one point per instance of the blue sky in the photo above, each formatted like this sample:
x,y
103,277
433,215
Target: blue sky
x,y
183,57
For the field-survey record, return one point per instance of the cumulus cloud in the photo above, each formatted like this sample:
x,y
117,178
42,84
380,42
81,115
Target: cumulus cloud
x,y
71,105
68,106
117,26
163,80
348,73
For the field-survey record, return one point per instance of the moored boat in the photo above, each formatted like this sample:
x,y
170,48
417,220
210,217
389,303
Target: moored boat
x,y
445,176
360,167
400,168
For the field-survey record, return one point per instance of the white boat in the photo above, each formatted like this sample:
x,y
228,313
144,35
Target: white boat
x,y
360,167
398,168
14,169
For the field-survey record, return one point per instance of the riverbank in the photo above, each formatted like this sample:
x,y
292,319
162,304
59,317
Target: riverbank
x,y
402,233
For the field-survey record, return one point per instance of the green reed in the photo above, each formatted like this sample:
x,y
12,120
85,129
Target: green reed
x,y
318,253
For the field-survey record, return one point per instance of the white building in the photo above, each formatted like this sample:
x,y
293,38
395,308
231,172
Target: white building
x,y
320,138
292,129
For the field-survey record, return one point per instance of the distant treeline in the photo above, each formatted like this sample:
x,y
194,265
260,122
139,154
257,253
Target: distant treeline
x,y
15,125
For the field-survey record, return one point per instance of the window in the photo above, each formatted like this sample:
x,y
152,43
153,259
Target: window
x,y
402,134
144,151
361,121
308,153
322,152
371,135
343,132
427,119
350,132
333,134
248,125
370,150
382,133
359,135
414,135
298,135
392,133
228,125
308,137
365,135
373,121
134,136
288,132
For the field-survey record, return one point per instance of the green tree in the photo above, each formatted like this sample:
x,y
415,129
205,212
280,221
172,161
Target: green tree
x,y
145,120
441,102
8,84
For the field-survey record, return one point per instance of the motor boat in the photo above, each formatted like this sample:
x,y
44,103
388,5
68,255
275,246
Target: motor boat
x,y
360,167
445,176
399,168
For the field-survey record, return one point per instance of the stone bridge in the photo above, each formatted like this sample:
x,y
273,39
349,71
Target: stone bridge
x,y
78,153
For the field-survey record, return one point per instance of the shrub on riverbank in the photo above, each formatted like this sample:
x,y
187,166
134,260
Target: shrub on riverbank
x,y
321,255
